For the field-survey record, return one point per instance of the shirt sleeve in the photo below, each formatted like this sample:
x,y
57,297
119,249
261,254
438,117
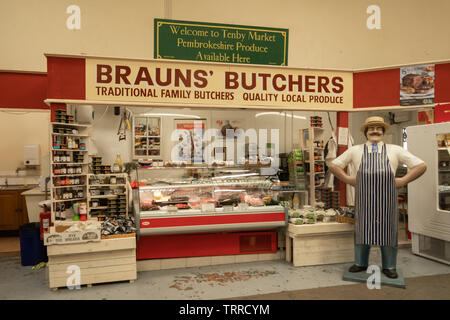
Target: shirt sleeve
x,y
344,159
406,157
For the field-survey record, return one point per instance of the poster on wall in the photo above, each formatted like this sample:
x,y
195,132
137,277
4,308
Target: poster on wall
x,y
231,125
417,85
190,141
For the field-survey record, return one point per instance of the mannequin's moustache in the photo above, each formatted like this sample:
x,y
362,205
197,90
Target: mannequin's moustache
x,y
375,134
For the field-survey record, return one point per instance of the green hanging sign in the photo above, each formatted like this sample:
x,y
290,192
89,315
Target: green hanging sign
x,y
213,42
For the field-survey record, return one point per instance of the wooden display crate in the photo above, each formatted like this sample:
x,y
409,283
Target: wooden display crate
x,y
109,260
343,219
319,244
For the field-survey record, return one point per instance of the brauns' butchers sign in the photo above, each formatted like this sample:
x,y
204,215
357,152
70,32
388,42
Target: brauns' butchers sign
x,y
217,84
213,42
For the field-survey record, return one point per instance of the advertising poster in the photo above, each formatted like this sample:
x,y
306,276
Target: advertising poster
x,y
417,85
190,146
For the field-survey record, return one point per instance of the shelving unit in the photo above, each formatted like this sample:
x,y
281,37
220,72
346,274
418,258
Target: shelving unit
x,y
314,158
444,177
114,202
66,140
147,137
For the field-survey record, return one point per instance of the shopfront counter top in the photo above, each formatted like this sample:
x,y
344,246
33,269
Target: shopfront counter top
x,y
33,192
33,197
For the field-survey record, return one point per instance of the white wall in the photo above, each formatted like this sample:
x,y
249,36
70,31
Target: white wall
x,y
106,124
19,128
393,135
322,34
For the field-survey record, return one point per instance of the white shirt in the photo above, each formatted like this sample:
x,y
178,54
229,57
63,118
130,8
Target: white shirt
x,y
395,154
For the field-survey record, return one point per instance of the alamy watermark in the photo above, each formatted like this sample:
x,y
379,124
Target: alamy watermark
x,y
74,280
374,280
237,146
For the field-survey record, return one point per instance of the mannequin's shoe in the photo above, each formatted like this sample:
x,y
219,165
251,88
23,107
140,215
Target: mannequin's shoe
x,y
390,273
355,268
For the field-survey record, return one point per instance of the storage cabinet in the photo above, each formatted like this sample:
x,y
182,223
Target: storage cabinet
x,y
107,195
13,209
146,137
311,141
429,197
69,166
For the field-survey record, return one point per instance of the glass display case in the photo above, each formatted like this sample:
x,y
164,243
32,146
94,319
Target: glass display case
x,y
202,199
443,147
429,198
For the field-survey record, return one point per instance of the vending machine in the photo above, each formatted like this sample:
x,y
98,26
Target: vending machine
x,y
429,196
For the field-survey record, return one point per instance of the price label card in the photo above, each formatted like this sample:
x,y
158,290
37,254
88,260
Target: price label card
x,y
243,206
342,136
208,207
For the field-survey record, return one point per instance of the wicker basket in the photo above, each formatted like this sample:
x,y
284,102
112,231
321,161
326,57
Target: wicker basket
x,y
343,219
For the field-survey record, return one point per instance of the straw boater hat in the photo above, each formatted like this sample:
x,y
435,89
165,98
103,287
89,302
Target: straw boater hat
x,y
374,122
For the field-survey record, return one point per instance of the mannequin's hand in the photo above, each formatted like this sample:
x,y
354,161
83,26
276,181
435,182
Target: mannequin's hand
x,y
399,182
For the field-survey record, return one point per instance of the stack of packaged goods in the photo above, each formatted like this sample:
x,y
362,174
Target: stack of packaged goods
x,y
117,225
335,200
312,215
297,169
326,197
98,168
316,122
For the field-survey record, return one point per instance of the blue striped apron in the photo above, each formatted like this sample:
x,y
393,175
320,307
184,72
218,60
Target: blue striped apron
x,y
376,214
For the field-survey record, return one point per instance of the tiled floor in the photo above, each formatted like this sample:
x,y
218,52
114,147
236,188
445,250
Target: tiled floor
x,y
275,279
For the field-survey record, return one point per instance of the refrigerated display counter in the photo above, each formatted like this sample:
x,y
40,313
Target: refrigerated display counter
x,y
186,211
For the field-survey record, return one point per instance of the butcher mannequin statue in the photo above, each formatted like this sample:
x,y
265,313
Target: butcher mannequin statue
x,y
376,213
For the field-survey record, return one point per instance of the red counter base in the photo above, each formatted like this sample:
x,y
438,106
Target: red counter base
x,y
206,244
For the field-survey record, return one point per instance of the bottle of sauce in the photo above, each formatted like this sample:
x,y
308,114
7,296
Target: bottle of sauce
x,y
117,167
296,202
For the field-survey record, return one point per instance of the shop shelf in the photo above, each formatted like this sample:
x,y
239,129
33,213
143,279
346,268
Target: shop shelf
x,y
70,150
71,163
315,148
69,175
70,135
70,186
107,174
104,196
71,124
67,200
108,185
